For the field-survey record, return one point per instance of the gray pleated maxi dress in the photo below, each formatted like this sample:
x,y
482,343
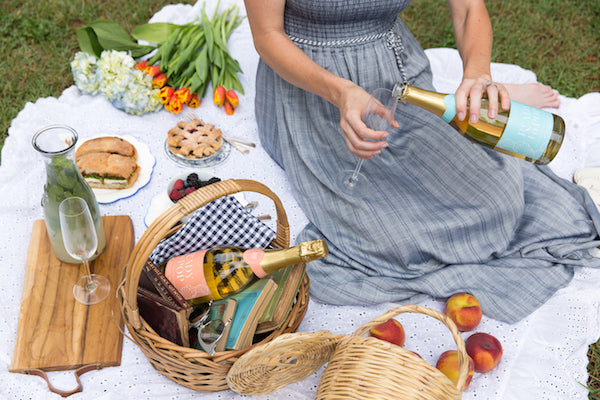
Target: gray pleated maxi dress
x,y
436,214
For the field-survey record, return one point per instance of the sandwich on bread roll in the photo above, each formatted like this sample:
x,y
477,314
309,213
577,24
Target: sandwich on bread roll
x,y
107,144
108,163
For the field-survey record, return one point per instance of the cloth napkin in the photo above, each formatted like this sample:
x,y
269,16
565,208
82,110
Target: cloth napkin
x,y
221,223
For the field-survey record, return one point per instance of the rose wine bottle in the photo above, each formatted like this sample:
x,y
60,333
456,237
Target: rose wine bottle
x,y
217,273
523,131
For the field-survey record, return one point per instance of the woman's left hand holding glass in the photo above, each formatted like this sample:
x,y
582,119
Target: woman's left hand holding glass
x,y
360,139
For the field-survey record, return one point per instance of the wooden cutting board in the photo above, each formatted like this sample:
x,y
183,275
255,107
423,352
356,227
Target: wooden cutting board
x,y
55,331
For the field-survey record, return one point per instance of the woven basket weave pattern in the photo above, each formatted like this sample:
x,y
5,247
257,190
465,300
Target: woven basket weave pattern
x,y
359,367
289,358
190,367
365,368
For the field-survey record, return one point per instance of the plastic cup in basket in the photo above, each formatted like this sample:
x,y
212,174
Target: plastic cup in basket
x,y
359,367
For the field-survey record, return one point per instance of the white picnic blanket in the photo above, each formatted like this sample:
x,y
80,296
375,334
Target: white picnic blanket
x,y
544,354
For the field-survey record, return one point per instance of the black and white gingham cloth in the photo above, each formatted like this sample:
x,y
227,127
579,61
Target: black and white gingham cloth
x,y
220,223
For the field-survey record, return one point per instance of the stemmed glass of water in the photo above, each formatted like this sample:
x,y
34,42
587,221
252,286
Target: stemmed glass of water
x,y
378,116
79,237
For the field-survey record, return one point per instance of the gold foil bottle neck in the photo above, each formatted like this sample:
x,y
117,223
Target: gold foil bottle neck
x,y
313,249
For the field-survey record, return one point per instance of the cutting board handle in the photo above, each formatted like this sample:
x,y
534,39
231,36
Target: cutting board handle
x,y
65,393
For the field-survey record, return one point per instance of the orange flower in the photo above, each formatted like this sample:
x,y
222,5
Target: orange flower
x,y
152,70
194,102
232,98
141,65
174,105
219,95
229,109
183,94
165,94
159,81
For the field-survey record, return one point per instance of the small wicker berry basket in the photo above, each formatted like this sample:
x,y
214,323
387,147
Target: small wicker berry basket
x,y
190,367
359,367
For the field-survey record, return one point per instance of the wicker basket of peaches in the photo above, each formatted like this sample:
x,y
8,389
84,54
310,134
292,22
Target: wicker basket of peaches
x,y
370,363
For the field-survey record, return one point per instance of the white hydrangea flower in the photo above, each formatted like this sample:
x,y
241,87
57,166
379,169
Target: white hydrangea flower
x,y
138,101
83,68
116,60
127,88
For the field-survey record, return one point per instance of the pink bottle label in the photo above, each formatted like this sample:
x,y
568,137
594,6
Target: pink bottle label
x,y
253,257
186,273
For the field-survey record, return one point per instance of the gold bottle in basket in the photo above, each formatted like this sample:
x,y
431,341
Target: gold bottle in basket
x,y
217,273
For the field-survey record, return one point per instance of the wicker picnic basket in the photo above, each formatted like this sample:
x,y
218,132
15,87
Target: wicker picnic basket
x,y
190,367
359,367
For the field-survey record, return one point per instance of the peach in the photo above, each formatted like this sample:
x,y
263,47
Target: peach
x,y
464,310
448,364
485,350
390,331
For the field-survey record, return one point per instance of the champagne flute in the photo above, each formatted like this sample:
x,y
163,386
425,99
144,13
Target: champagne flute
x,y
379,115
79,237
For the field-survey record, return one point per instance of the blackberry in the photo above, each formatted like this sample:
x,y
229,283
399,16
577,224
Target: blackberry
x,y
192,179
212,180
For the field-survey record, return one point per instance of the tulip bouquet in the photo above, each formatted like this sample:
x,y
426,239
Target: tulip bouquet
x,y
181,65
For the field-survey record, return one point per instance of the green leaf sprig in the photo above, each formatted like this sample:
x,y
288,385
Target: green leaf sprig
x,y
103,35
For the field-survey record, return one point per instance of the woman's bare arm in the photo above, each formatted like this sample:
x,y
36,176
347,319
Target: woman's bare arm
x,y
284,57
473,33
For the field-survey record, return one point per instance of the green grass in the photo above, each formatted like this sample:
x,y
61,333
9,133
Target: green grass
x,y
37,43
559,40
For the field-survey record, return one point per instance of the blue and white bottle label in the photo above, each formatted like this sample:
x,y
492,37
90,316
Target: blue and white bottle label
x,y
450,103
528,131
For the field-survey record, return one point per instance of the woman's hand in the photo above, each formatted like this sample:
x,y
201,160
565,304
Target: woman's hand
x,y
361,141
474,89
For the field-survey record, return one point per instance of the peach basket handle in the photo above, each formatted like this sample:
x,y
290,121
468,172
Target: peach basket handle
x,y
460,344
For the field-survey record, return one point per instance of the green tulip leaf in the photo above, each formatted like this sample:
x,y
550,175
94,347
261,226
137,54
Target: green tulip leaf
x,y
155,33
202,65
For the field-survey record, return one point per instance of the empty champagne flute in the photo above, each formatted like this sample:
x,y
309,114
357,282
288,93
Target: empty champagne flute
x,y
379,116
79,237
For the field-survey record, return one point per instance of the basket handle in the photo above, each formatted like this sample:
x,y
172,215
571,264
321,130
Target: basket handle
x,y
460,344
188,204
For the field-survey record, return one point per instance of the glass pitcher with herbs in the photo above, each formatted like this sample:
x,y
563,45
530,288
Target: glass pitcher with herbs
x,y
63,179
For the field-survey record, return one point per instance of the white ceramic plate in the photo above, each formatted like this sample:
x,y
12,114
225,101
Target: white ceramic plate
x,y
145,160
161,202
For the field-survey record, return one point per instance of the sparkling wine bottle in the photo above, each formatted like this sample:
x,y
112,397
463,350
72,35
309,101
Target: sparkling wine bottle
x,y
217,273
523,131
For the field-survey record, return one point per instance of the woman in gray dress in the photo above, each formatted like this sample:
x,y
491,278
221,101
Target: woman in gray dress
x,y
435,215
